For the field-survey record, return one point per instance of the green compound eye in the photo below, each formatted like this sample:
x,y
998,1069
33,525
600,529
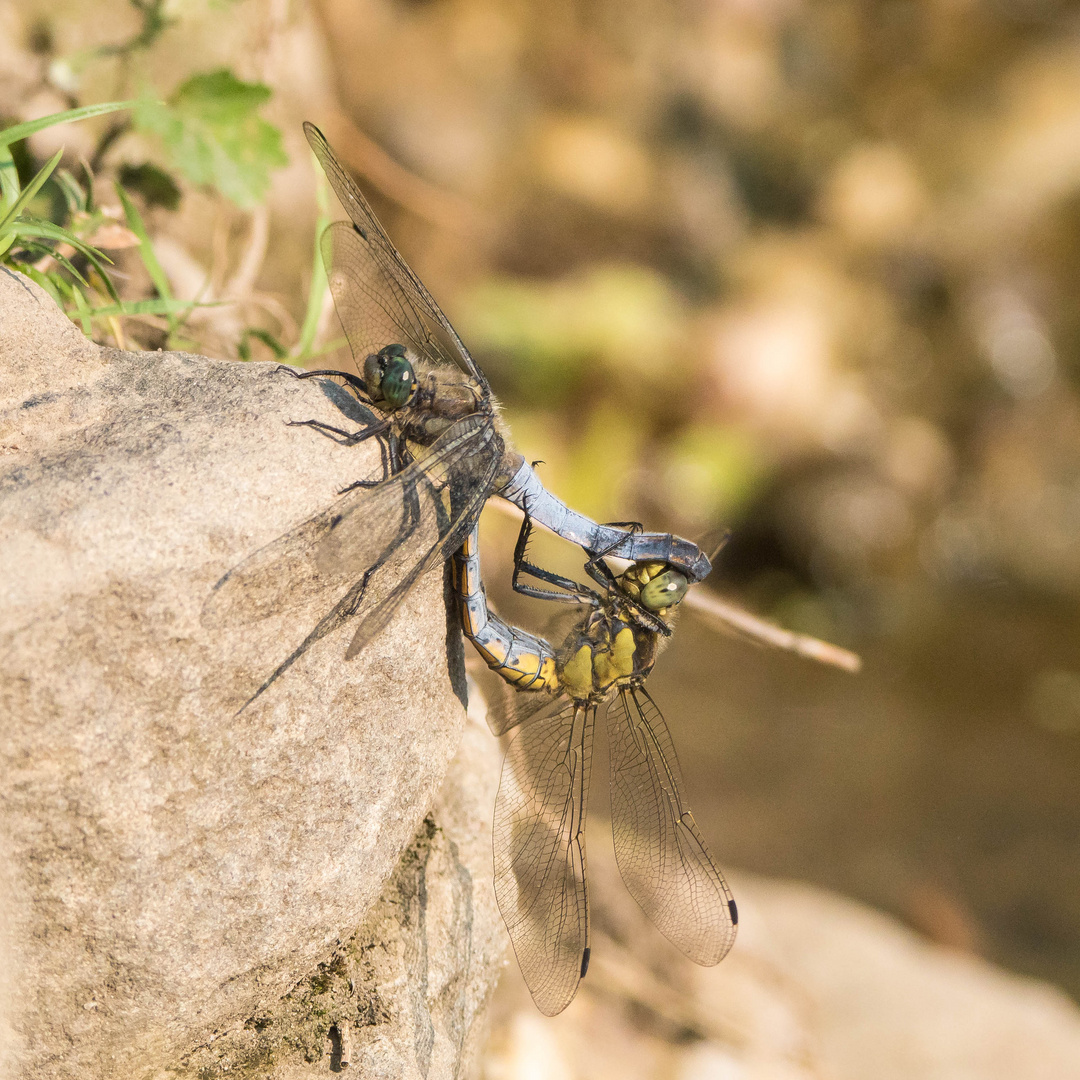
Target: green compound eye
x,y
389,376
664,590
398,382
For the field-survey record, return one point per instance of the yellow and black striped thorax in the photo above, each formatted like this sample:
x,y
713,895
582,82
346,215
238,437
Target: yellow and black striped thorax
x,y
608,652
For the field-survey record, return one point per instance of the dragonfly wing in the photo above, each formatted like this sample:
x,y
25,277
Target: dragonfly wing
x,y
375,261
539,842
509,706
660,851
373,308
333,550
458,527
283,575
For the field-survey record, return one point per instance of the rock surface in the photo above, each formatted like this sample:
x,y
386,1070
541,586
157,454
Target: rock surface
x,y
407,996
172,867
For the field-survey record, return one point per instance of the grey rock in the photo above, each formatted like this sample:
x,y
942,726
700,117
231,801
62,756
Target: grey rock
x,y
171,867
407,996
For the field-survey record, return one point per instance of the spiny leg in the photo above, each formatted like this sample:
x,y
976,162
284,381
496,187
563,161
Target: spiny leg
x,y
392,462
340,435
347,438
599,570
603,575
353,380
573,592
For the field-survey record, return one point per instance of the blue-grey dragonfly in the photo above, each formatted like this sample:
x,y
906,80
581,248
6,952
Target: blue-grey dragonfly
x,y
444,450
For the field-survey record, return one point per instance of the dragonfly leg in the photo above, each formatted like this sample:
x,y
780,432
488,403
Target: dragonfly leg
x,y
339,435
353,380
602,574
391,460
359,484
573,592
525,491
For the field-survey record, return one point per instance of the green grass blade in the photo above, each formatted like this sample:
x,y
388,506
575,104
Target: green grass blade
x,y
317,289
30,190
31,127
9,180
72,190
39,228
67,265
146,248
83,309
148,307
41,279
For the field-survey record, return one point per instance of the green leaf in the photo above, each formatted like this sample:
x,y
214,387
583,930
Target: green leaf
x,y
72,190
31,127
243,349
42,279
318,286
34,227
214,136
9,180
28,226
83,309
61,259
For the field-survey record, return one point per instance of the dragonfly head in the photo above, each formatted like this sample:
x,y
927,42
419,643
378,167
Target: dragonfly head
x,y
389,377
654,585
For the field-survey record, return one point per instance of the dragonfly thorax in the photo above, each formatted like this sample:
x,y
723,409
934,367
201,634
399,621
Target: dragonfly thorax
x,y
605,654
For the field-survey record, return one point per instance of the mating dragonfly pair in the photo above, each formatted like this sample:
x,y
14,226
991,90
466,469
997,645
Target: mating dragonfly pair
x,y
444,453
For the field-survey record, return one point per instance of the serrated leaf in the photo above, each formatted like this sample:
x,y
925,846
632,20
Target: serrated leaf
x,y
214,136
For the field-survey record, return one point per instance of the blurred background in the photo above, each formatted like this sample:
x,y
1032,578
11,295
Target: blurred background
x,y
806,269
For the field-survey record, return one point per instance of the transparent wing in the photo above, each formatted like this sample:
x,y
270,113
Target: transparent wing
x,y
378,297
539,842
661,854
370,547
509,707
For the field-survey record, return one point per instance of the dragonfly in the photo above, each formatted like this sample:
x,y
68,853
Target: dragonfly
x,y
552,695
443,446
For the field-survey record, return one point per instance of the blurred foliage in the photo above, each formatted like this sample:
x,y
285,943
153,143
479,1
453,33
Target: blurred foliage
x,y
54,229
547,342
154,185
25,236
213,135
